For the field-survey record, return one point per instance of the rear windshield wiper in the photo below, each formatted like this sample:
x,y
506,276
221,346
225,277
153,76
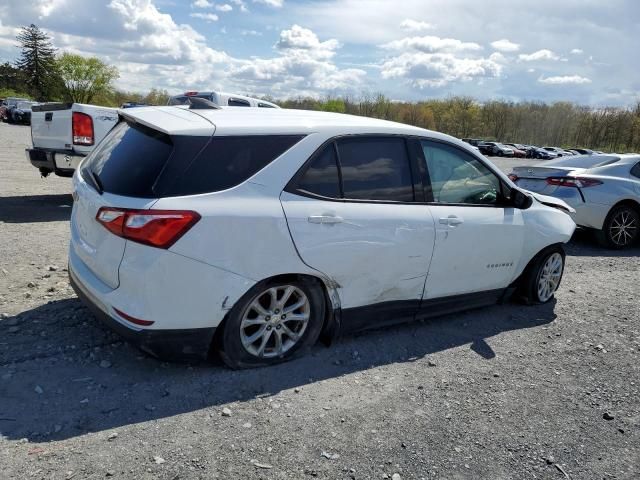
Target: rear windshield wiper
x,y
96,181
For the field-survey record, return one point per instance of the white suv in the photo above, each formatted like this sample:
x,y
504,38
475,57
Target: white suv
x,y
257,231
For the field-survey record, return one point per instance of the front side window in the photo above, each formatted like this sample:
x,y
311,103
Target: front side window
x,y
459,178
635,171
375,168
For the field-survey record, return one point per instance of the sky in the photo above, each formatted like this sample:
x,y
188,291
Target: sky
x,y
585,51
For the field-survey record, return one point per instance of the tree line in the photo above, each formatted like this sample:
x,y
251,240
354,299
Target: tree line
x,y
43,74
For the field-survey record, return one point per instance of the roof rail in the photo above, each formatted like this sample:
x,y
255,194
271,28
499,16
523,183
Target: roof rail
x,y
196,103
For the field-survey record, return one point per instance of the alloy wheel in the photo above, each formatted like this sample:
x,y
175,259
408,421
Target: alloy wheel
x,y
550,276
623,228
275,321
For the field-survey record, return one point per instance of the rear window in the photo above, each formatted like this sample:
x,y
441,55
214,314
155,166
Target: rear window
x,y
228,161
129,159
238,102
136,161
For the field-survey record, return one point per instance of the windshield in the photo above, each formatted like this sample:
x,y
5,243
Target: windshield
x,y
24,105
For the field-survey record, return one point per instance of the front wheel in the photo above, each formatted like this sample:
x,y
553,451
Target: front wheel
x,y
272,322
543,276
621,228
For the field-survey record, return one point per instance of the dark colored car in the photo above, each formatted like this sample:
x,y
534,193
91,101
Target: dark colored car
x,y
542,154
473,141
7,105
584,151
21,113
495,149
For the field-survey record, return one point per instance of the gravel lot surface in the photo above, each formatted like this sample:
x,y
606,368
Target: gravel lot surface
x,y
507,392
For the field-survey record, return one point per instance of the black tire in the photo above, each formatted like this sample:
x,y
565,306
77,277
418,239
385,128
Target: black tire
x,y
230,343
611,235
529,290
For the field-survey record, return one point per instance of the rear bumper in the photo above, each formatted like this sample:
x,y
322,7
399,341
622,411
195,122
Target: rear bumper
x,y
175,344
61,162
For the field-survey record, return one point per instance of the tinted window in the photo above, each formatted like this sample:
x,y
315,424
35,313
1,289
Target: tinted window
x,y
457,177
635,171
237,102
228,161
265,105
181,100
129,160
321,176
375,168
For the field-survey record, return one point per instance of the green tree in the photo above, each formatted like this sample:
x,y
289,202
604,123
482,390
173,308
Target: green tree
x,y
37,61
85,78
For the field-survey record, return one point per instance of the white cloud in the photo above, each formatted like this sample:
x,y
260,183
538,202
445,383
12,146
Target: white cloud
x,y
271,3
577,51
415,26
241,5
505,45
431,44
225,7
564,80
202,4
438,69
250,33
209,17
543,54
303,39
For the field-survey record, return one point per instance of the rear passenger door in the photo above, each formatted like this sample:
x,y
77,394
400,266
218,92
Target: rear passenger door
x,y
353,215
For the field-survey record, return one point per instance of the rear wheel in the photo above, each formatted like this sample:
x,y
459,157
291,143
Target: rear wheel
x,y
621,227
272,322
543,276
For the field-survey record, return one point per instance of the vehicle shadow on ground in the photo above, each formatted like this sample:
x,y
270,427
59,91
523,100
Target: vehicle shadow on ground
x,y
36,208
62,374
584,244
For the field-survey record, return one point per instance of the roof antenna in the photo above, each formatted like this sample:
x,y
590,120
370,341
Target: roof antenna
x,y
196,103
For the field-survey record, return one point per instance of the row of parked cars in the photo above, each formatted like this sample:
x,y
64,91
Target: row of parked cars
x,y
16,110
519,150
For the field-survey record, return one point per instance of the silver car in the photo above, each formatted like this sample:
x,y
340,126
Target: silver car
x,y
604,190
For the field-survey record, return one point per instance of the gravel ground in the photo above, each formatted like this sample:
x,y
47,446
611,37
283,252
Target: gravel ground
x,y
507,392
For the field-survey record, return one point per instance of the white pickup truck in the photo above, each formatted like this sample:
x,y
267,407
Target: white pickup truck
x,y
64,133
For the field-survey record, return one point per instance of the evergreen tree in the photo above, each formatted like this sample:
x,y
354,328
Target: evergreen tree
x,y
37,61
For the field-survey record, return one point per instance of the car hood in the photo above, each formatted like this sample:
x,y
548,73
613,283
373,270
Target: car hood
x,y
552,202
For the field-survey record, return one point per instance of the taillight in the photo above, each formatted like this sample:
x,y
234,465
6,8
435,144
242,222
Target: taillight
x,y
190,94
82,128
513,177
157,228
577,182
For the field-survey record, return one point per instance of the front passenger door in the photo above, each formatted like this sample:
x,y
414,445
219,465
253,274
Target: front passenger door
x,y
479,238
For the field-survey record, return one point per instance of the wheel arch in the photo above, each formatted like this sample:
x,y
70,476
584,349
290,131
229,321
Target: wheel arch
x,y
332,309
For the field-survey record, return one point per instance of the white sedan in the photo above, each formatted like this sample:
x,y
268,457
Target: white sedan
x,y
604,190
257,231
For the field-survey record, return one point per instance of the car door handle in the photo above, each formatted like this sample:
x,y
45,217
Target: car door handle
x,y
451,220
326,219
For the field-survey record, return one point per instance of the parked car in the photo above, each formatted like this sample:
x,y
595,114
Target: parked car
x,y
495,149
542,154
518,150
560,152
222,99
133,105
64,133
584,151
604,190
257,231
9,104
473,141
21,113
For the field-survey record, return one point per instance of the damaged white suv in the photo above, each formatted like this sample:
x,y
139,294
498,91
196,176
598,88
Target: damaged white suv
x,y
253,233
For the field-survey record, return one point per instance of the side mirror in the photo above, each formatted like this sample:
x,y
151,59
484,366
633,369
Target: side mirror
x,y
520,200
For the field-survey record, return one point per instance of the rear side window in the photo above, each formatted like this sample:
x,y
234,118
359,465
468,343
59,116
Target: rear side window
x,y
129,159
321,176
375,168
238,102
635,171
228,161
